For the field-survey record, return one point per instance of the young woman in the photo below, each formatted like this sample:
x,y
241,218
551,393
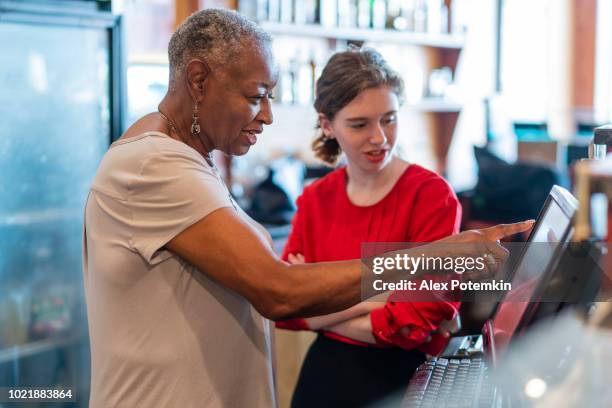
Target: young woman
x,y
367,352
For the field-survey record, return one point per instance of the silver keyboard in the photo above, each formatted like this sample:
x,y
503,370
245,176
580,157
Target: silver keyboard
x,y
450,383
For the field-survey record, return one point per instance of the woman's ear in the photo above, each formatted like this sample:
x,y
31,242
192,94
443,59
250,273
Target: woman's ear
x,y
197,72
326,126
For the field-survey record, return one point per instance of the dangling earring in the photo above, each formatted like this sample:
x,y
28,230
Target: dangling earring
x,y
195,125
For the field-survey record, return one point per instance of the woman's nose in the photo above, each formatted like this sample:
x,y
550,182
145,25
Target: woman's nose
x,y
378,137
265,114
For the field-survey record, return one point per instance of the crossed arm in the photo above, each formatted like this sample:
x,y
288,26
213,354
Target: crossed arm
x,y
355,322
333,319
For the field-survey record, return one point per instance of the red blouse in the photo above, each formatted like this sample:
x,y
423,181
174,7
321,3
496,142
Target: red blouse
x,y
421,207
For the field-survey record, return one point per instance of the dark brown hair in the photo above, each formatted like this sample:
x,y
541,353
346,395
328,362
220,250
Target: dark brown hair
x,y
346,74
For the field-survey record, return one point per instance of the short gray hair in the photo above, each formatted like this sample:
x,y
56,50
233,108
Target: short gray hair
x,y
215,35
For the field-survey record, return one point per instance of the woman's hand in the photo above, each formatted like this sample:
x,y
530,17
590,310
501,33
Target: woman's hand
x,y
446,328
449,327
360,328
296,259
482,242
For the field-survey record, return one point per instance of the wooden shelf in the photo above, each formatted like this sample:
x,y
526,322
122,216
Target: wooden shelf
x,y
449,41
437,51
37,347
425,105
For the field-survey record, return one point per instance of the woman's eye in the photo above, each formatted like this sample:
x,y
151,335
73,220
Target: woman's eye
x,y
258,98
358,125
390,119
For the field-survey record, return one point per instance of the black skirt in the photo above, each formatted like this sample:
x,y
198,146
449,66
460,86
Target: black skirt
x,y
337,374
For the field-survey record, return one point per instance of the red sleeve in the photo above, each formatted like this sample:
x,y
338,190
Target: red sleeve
x,y
437,214
420,317
295,245
293,324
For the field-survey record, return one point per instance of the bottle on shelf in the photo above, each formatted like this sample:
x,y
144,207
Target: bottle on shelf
x,y
439,82
379,13
459,17
285,85
329,13
299,12
434,16
305,12
394,9
420,16
286,11
274,10
312,11
312,63
52,310
363,14
261,13
304,84
294,72
437,17
14,316
347,13
255,10
297,78
405,20
444,28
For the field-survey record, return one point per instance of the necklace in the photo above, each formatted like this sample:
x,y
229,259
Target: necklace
x,y
208,157
170,123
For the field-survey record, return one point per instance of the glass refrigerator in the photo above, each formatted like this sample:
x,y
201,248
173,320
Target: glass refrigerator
x,y
60,108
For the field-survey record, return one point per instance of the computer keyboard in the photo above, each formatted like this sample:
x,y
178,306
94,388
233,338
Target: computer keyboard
x,y
449,383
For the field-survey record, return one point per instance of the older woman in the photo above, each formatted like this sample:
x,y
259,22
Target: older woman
x,y
179,281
